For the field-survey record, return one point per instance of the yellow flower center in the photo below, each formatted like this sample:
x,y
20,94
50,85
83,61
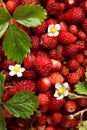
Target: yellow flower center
x,y
61,91
16,69
53,30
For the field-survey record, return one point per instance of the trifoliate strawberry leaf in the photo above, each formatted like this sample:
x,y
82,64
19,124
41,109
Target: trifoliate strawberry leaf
x,y
81,88
16,44
2,80
4,19
23,104
2,120
30,15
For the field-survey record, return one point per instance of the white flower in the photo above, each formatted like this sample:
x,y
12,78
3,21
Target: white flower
x,y
61,90
16,70
53,30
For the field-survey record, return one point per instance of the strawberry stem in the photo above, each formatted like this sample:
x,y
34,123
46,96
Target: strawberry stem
x,y
3,4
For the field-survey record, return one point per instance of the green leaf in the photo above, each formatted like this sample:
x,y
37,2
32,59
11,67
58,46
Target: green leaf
x,y
4,19
2,80
81,88
23,104
2,120
30,15
16,44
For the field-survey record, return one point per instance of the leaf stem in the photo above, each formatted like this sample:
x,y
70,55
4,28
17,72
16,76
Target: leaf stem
x,y
3,4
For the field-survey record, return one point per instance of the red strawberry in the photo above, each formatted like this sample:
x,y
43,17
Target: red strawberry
x,y
84,25
57,117
68,123
73,78
59,128
30,74
51,21
43,108
56,77
70,4
56,65
63,26
81,35
66,37
64,70
42,119
40,29
70,50
29,61
50,128
35,42
73,64
80,71
74,15
56,105
70,106
73,29
48,42
85,6
29,1
43,65
6,113
43,84
43,99
80,57
82,102
81,45
28,85
6,63
11,6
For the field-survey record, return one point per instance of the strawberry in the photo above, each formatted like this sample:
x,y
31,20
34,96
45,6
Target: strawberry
x,y
29,1
85,6
73,78
43,99
29,61
68,123
57,117
80,71
84,25
66,37
70,50
6,63
51,21
56,105
80,57
30,74
70,106
73,29
40,29
42,119
82,102
63,26
43,108
56,65
43,65
35,42
81,35
73,64
6,113
70,4
81,45
21,122
64,70
43,84
55,77
28,85
74,15
50,128
59,128
48,42
11,6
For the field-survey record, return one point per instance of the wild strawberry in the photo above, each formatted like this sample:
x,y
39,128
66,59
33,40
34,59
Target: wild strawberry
x,y
29,61
81,45
40,127
30,74
73,29
56,77
43,84
80,57
35,42
56,105
85,53
50,121
48,42
29,1
43,65
70,50
66,37
73,64
64,70
57,117
63,26
28,85
11,6
81,35
42,119
23,28
77,14
82,102
80,71
51,21
59,128
43,99
6,73
50,2
56,65
43,108
84,25
6,63
68,123
53,53
21,122
85,6
73,78
70,106
50,127
84,62
41,53
70,4
40,29
6,113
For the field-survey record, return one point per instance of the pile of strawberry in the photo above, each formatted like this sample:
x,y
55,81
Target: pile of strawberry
x,y
53,59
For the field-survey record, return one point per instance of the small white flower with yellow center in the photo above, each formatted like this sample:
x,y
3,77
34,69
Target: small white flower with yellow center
x,y
53,30
61,90
16,70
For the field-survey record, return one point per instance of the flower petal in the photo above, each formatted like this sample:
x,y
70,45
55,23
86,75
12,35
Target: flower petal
x,y
51,26
22,69
19,74
49,30
50,34
60,97
11,67
18,65
58,85
12,73
66,93
66,85
56,94
57,26
56,34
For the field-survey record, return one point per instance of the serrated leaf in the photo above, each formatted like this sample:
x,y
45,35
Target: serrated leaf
x,y
81,88
23,104
30,15
2,80
16,44
4,18
2,120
